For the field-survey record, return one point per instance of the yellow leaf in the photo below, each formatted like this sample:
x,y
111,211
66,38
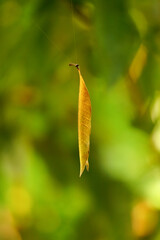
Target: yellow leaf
x,y
84,122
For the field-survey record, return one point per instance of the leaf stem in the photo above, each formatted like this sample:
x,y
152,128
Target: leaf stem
x,y
75,65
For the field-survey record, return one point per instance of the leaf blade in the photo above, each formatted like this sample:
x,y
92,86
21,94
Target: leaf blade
x,y
84,124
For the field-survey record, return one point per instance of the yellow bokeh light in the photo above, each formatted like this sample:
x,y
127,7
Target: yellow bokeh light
x,y
19,200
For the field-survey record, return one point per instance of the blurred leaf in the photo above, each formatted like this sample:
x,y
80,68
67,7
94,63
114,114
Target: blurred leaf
x,y
117,38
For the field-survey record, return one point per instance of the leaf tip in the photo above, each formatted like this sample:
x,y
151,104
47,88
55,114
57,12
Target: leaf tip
x,y
83,167
87,165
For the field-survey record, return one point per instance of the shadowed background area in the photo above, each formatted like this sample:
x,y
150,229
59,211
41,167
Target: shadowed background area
x,y
117,45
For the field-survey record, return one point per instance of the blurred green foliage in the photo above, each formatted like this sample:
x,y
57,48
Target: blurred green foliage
x,y
117,44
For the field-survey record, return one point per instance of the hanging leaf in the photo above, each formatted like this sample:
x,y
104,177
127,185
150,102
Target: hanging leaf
x,y
84,122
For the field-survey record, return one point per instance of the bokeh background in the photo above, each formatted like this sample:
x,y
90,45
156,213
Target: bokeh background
x,y
117,44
